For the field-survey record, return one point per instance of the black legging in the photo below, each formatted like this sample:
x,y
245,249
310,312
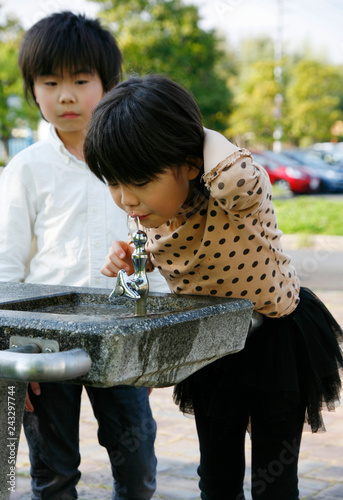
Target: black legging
x,y
275,452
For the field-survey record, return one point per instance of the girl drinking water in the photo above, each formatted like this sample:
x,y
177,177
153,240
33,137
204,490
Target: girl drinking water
x,y
206,206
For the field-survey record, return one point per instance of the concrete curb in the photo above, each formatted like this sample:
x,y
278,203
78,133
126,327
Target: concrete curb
x,y
314,242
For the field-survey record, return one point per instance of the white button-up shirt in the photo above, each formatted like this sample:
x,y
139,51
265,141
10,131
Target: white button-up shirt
x,y
57,220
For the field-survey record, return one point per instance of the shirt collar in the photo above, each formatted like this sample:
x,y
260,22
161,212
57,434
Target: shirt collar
x,y
60,147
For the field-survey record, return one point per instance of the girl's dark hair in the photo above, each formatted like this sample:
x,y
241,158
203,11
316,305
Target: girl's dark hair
x,y
68,42
140,128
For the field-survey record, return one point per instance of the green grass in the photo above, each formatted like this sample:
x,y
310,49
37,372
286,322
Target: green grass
x,y
310,215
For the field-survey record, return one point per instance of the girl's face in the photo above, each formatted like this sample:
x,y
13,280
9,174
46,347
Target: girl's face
x,y
157,201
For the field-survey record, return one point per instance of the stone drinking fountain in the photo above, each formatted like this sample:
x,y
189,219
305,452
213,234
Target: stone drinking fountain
x,y
81,335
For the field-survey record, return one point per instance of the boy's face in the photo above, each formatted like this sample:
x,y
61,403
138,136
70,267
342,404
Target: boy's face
x,y
67,101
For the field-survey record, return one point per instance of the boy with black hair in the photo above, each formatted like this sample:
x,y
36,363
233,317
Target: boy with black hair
x,y
49,196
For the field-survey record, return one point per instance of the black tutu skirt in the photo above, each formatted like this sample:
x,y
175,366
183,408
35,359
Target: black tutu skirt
x,y
295,358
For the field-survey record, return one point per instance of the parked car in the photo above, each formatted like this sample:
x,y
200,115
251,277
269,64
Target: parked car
x,y
330,152
331,176
287,173
328,156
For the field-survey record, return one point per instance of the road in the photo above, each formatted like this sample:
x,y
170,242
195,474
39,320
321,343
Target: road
x,y
319,268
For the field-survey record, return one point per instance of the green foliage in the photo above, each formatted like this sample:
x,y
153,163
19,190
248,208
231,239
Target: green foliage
x,y
311,90
14,111
310,215
236,95
253,50
253,119
159,36
312,101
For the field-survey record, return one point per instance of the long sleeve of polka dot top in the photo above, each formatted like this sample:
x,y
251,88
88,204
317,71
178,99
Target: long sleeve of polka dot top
x,y
229,245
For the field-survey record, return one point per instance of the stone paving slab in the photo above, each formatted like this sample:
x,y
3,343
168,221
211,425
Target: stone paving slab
x,y
320,469
320,466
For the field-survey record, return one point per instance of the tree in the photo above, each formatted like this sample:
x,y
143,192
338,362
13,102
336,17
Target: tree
x,y
254,117
14,111
163,36
253,50
313,99
310,94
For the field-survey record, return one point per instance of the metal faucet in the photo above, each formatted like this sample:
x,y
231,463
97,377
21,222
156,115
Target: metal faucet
x,y
135,287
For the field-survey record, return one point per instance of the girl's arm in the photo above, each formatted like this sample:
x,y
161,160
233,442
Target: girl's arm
x,y
216,149
237,182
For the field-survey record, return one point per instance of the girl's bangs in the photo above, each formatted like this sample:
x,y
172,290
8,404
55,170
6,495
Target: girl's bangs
x,y
125,172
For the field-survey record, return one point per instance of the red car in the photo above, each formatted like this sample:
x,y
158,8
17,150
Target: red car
x,y
287,173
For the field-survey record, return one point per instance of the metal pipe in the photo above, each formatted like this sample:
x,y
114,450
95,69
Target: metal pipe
x,y
44,367
135,287
27,349
256,321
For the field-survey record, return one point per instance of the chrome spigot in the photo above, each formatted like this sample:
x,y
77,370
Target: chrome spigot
x,y
135,287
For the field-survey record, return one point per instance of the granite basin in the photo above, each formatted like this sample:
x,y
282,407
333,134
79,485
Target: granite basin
x,y
179,335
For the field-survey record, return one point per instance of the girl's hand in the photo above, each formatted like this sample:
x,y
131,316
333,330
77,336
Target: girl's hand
x,y
118,257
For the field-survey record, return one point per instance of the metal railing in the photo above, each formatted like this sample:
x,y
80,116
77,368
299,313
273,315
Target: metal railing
x,y
28,363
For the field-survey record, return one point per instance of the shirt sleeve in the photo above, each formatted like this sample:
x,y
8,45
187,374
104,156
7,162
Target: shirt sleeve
x,y
239,184
17,217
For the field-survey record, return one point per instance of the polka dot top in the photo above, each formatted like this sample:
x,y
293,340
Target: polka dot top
x,y
229,245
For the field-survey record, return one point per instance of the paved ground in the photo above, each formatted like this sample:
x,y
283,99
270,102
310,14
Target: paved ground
x,y
321,462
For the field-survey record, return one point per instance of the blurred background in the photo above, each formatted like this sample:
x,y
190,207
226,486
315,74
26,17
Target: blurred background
x,y
267,74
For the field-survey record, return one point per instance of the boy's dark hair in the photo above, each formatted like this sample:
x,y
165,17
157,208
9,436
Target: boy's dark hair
x,y
140,128
68,42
